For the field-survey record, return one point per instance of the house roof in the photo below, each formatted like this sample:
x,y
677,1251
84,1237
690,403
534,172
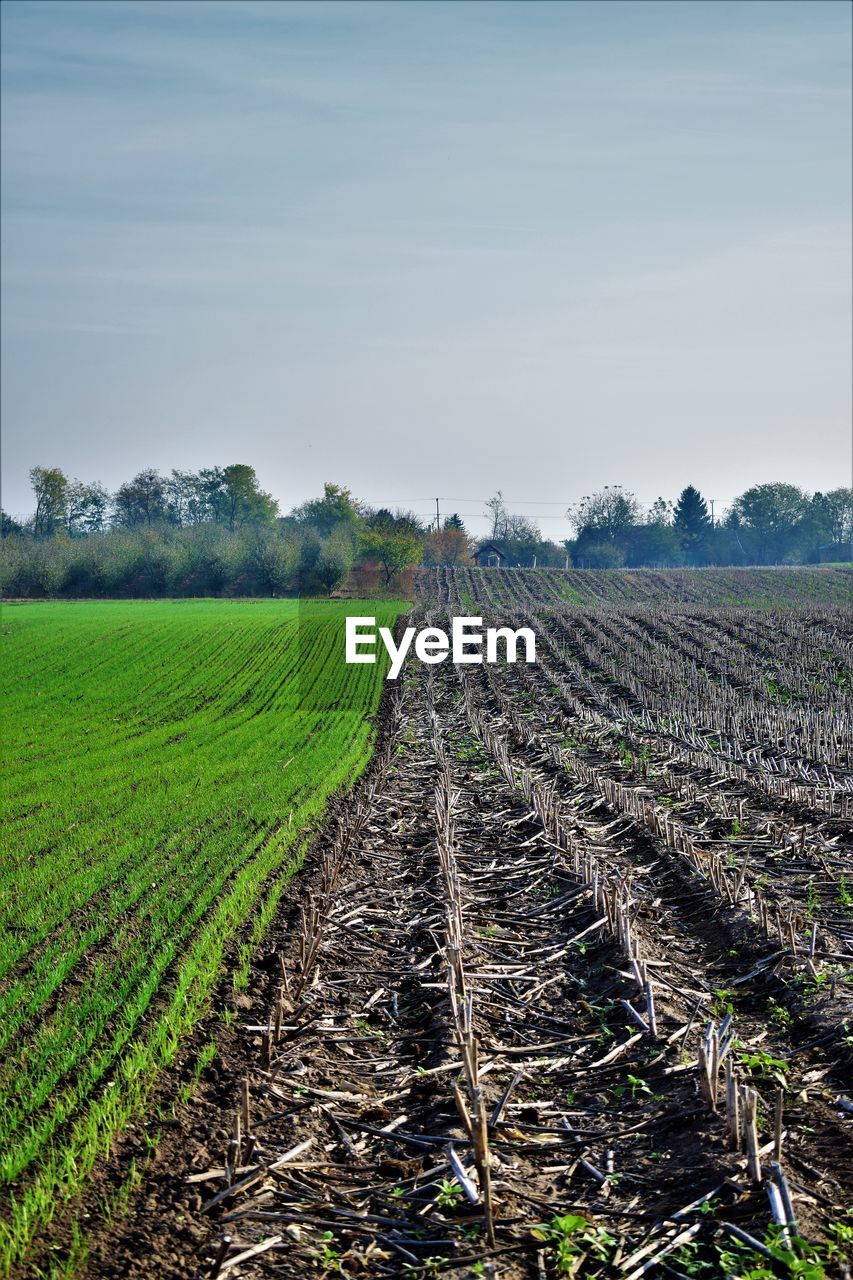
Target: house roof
x,y
491,547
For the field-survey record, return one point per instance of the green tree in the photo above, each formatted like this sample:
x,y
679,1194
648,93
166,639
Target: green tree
x,y
652,543
608,513
838,509
334,560
767,517
186,500
86,508
828,524
50,486
608,517
141,502
275,559
692,523
8,525
213,558
521,539
396,541
235,498
601,555
336,507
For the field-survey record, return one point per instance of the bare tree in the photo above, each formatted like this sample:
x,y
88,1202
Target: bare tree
x,y
498,515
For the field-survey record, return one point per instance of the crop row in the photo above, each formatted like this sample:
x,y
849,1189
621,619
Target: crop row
x,y
511,588
642,807
786,845
164,771
445,1078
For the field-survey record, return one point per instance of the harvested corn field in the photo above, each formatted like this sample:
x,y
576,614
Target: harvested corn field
x,y
508,588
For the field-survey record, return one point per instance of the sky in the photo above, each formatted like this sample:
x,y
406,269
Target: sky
x,y
429,249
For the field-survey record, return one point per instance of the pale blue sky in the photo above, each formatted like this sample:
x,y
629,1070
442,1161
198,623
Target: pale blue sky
x,y
429,248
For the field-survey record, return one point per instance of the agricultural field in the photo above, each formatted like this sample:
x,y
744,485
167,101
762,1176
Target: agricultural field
x,y
564,988
568,986
768,588
165,765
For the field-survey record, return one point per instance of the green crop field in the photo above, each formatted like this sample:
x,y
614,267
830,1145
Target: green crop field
x,y
162,773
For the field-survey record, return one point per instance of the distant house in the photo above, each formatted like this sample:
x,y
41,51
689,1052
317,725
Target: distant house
x,y
490,556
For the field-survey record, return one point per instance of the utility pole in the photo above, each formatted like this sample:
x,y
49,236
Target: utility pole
x,y
437,518
712,501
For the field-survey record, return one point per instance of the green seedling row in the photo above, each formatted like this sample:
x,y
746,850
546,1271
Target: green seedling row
x,y
164,764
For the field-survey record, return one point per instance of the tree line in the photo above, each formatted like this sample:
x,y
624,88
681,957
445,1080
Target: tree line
x,y
768,524
211,532
217,532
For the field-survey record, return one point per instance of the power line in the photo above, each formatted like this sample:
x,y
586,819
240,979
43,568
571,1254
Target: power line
x,y
480,515
526,502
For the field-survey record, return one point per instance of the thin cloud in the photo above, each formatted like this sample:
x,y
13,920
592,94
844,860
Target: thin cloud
x,y
408,237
